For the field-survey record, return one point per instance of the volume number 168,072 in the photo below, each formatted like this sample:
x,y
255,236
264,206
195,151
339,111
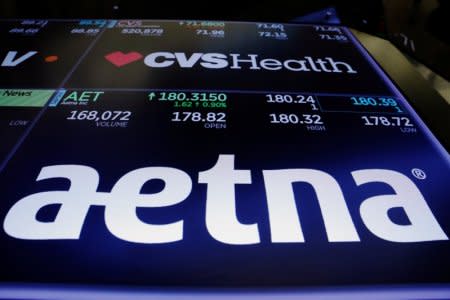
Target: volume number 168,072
x,y
94,115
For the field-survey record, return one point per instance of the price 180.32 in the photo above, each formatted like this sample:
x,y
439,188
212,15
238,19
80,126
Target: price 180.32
x,y
307,119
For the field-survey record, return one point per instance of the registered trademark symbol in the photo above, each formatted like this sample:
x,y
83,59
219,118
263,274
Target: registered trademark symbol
x,y
418,173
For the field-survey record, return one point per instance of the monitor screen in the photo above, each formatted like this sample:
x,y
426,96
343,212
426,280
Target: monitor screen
x,y
212,159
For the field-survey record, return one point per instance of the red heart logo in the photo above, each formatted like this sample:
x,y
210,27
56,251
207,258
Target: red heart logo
x,y
120,59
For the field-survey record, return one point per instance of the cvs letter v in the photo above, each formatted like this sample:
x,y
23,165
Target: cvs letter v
x,y
11,60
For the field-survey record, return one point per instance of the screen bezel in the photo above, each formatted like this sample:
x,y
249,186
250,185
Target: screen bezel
x,y
426,102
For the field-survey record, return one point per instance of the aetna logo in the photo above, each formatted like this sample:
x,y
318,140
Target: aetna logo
x,y
221,218
231,61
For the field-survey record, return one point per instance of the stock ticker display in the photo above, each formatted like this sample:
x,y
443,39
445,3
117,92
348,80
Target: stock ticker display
x,y
212,154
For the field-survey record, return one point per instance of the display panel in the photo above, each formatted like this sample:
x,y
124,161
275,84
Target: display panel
x,y
36,56
195,155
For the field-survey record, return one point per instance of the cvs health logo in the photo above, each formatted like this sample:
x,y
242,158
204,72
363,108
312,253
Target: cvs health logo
x,y
120,59
164,59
